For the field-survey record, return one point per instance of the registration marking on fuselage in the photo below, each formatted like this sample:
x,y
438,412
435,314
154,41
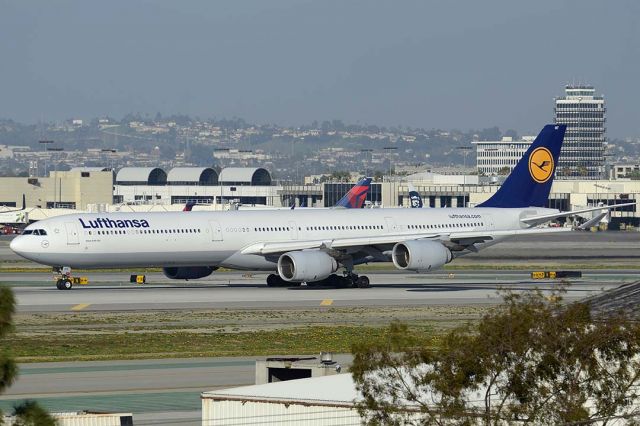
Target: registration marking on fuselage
x,y
80,306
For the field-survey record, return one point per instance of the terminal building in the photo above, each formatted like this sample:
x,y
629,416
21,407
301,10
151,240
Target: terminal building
x,y
203,185
154,189
500,157
74,189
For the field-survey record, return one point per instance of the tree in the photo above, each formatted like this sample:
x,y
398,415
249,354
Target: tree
x,y
28,413
531,360
504,171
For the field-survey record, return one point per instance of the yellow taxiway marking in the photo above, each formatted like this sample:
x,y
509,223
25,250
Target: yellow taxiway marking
x,y
80,307
326,302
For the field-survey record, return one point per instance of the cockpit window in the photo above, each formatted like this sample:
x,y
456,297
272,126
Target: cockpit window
x,y
35,232
28,232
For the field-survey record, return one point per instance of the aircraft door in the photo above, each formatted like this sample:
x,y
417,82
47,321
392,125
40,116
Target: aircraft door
x,y
489,222
72,233
294,230
391,224
216,230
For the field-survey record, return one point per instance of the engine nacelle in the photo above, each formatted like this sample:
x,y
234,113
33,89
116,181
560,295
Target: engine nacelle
x,y
188,272
306,266
418,255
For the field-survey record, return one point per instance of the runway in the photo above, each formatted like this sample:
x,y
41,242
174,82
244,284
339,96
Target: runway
x,y
113,292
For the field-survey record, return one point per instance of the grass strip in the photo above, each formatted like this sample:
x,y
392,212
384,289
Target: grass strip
x,y
127,345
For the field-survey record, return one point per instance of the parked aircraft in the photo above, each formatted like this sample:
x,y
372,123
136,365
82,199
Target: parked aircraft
x,y
415,198
304,245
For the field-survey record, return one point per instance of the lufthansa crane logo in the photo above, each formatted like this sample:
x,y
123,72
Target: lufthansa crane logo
x,y
541,165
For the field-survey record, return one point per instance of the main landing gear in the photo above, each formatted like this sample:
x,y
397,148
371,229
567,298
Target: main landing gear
x,y
62,275
349,280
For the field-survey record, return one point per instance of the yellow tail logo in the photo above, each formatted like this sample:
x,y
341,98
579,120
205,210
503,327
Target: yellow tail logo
x,y
541,165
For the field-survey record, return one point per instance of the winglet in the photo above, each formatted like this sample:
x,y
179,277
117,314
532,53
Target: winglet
x,y
529,183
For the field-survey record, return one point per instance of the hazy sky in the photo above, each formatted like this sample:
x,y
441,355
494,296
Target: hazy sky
x,y
443,64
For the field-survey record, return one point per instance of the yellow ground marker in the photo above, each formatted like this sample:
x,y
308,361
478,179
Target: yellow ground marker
x,y
326,302
80,307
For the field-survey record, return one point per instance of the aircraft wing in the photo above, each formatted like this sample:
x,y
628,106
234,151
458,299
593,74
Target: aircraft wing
x,y
536,220
462,238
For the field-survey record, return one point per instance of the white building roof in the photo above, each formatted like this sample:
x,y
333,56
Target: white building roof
x,y
142,175
192,174
248,175
336,389
89,169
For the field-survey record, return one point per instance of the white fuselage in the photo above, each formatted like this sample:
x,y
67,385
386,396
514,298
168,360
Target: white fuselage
x,y
110,240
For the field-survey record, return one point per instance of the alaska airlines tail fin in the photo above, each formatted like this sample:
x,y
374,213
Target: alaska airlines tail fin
x,y
414,198
354,199
529,183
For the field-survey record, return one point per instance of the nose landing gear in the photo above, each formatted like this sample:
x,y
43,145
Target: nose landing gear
x,y
62,275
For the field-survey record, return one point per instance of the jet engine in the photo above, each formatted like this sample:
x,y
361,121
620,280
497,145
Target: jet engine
x,y
188,272
419,255
306,266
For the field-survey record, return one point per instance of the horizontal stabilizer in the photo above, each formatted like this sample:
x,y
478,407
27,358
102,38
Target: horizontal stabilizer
x,y
538,219
593,222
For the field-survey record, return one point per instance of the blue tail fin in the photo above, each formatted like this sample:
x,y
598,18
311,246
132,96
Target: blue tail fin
x,y
414,198
529,183
354,199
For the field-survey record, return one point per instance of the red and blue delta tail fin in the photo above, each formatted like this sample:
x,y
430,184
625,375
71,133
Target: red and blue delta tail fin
x,y
529,183
189,206
355,198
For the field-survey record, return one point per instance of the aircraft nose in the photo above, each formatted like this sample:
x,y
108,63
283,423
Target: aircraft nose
x,y
17,244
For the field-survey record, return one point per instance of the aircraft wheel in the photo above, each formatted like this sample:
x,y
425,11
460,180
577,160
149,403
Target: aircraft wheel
x,y
67,284
363,281
273,280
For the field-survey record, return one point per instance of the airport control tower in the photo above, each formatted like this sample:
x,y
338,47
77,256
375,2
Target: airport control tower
x,y
582,154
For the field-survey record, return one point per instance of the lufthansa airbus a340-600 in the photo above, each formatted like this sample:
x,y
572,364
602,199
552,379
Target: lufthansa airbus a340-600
x,y
303,245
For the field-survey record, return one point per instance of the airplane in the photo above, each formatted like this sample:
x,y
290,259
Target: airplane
x,y
415,198
189,206
15,216
354,199
303,245
357,195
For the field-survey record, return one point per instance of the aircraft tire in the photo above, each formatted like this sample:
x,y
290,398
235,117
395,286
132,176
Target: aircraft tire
x,y
273,280
67,284
363,282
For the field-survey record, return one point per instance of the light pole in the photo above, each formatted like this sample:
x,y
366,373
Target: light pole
x,y
45,144
108,152
389,149
55,178
369,152
464,150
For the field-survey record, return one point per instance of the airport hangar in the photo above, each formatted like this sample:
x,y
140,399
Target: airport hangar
x,y
152,188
